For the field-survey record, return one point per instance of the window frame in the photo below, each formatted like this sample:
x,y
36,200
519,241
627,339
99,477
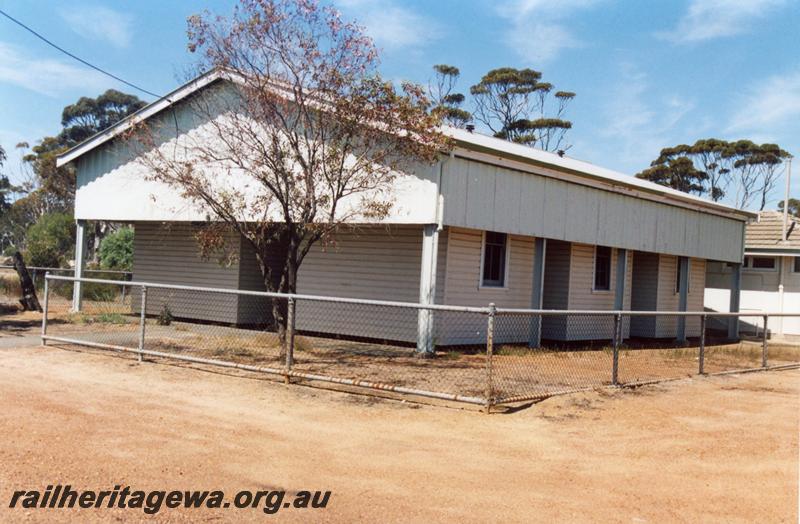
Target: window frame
x,y
678,276
507,264
794,264
596,289
748,264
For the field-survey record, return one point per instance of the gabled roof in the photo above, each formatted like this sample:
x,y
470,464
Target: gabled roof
x,y
767,233
472,141
144,113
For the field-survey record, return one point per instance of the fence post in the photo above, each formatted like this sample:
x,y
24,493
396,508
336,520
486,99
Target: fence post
x,y
489,354
702,357
617,337
44,313
142,314
764,344
289,338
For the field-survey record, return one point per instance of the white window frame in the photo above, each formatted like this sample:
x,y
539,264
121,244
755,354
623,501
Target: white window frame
x,y
749,267
507,264
610,270
794,268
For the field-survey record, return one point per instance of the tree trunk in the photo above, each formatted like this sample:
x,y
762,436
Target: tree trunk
x,y
28,300
280,306
284,245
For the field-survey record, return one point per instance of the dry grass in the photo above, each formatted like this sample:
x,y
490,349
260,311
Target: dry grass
x,y
10,289
516,369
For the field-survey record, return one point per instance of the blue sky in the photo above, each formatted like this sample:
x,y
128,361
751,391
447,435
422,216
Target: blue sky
x,y
647,74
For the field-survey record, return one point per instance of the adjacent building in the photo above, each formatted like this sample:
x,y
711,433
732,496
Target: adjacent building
x,y
770,280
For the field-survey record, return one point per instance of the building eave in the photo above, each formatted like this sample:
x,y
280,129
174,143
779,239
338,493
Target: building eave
x,y
504,151
772,252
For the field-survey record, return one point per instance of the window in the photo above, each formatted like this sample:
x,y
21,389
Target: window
x,y
763,263
493,273
602,268
796,264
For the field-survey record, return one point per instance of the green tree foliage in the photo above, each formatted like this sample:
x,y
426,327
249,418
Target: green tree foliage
x,y
19,216
50,240
51,189
80,120
116,250
5,186
794,207
740,171
517,106
89,116
678,173
447,103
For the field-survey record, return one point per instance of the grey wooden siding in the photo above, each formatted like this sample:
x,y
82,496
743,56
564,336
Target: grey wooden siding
x,y
485,197
255,310
654,282
644,295
666,327
583,296
168,254
375,262
371,262
462,288
558,255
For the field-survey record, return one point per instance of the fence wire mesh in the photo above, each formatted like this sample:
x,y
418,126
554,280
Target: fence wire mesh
x,y
10,289
480,355
106,315
537,355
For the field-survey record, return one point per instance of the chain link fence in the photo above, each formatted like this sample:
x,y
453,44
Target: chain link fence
x,y
10,290
590,349
479,355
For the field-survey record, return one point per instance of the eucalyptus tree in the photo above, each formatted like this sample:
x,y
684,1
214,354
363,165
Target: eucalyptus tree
x,y
445,101
740,172
516,105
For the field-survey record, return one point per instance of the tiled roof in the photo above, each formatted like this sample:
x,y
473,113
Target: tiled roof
x,y
767,232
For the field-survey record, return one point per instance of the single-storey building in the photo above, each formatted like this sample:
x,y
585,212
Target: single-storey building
x,y
490,222
770,273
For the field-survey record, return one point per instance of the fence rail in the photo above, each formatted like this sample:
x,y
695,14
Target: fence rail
x,y
37,274
486,356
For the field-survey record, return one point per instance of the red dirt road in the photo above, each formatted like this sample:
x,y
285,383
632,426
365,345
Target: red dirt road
x,y
719,448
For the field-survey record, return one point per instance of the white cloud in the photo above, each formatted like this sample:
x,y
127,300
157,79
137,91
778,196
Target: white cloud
x,y
638,124
100,23
769,107
538,32
46,76
709,19
391,25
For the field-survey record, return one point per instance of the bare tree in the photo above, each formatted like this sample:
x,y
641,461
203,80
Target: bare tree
x,y
303,137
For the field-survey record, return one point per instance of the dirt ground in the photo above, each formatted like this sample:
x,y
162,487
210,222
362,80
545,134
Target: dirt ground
x,y
708,449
